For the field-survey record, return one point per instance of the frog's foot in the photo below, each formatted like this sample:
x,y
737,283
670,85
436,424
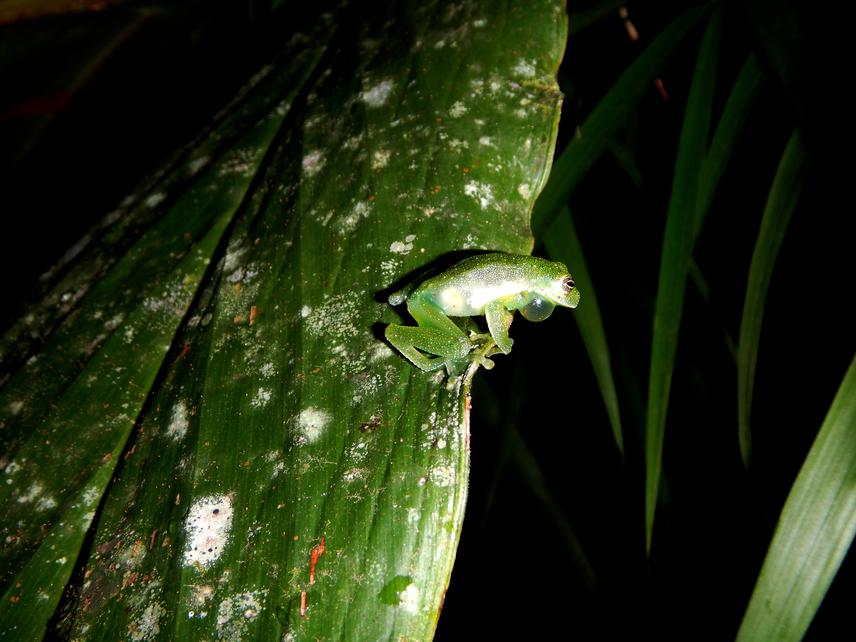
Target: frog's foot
x,y
484,347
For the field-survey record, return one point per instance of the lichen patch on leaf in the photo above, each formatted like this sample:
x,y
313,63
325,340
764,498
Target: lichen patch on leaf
x,y
177,427
311,423
481,192
153,200
261,398
312,163
377,94
525,68
237,612
403,247
408,599
147,626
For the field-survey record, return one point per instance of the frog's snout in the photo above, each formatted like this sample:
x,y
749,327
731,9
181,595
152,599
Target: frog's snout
x,y
573,298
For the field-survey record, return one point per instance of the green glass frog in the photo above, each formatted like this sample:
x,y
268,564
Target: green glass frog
x,y
493,285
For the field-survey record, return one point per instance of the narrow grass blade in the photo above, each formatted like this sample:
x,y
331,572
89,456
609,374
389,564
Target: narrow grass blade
x,y
738,107
703,289
779,28
514,450
815,530
624,156
675,259
529,469
781,203
605,119
564,245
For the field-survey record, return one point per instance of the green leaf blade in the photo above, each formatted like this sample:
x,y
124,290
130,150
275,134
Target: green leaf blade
x,y
736,113
605,119
781,203
675,260
815,530
563,244
70,409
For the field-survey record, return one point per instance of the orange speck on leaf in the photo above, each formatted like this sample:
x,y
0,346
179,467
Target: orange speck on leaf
x,y
184,350
317,551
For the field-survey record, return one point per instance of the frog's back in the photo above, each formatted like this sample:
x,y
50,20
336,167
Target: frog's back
x,y
466,287
481,268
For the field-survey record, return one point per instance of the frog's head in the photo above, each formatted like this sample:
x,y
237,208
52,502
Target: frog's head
x,y
554,286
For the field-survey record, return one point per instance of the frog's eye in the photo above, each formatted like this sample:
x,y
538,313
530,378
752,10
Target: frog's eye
x,y
567,284
537,310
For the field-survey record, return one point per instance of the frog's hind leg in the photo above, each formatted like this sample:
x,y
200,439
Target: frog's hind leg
x,y
436,335
414,341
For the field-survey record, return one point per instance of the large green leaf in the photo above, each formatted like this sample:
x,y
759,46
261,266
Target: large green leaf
x,y
107,326
212,359
815,529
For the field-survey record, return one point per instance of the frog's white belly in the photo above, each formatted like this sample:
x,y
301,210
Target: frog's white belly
x,y
464,302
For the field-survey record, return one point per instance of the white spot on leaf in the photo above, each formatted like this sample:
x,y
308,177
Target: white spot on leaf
x,y
525,68
197,163
177,427
236,612
457,110
404,247
408,599
311,423
147,626
153,200
312,163
481,192
261,398
380,158
377,94
207,529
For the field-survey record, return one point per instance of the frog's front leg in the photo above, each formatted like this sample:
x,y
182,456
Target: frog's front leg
x,y
498,322
436,334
